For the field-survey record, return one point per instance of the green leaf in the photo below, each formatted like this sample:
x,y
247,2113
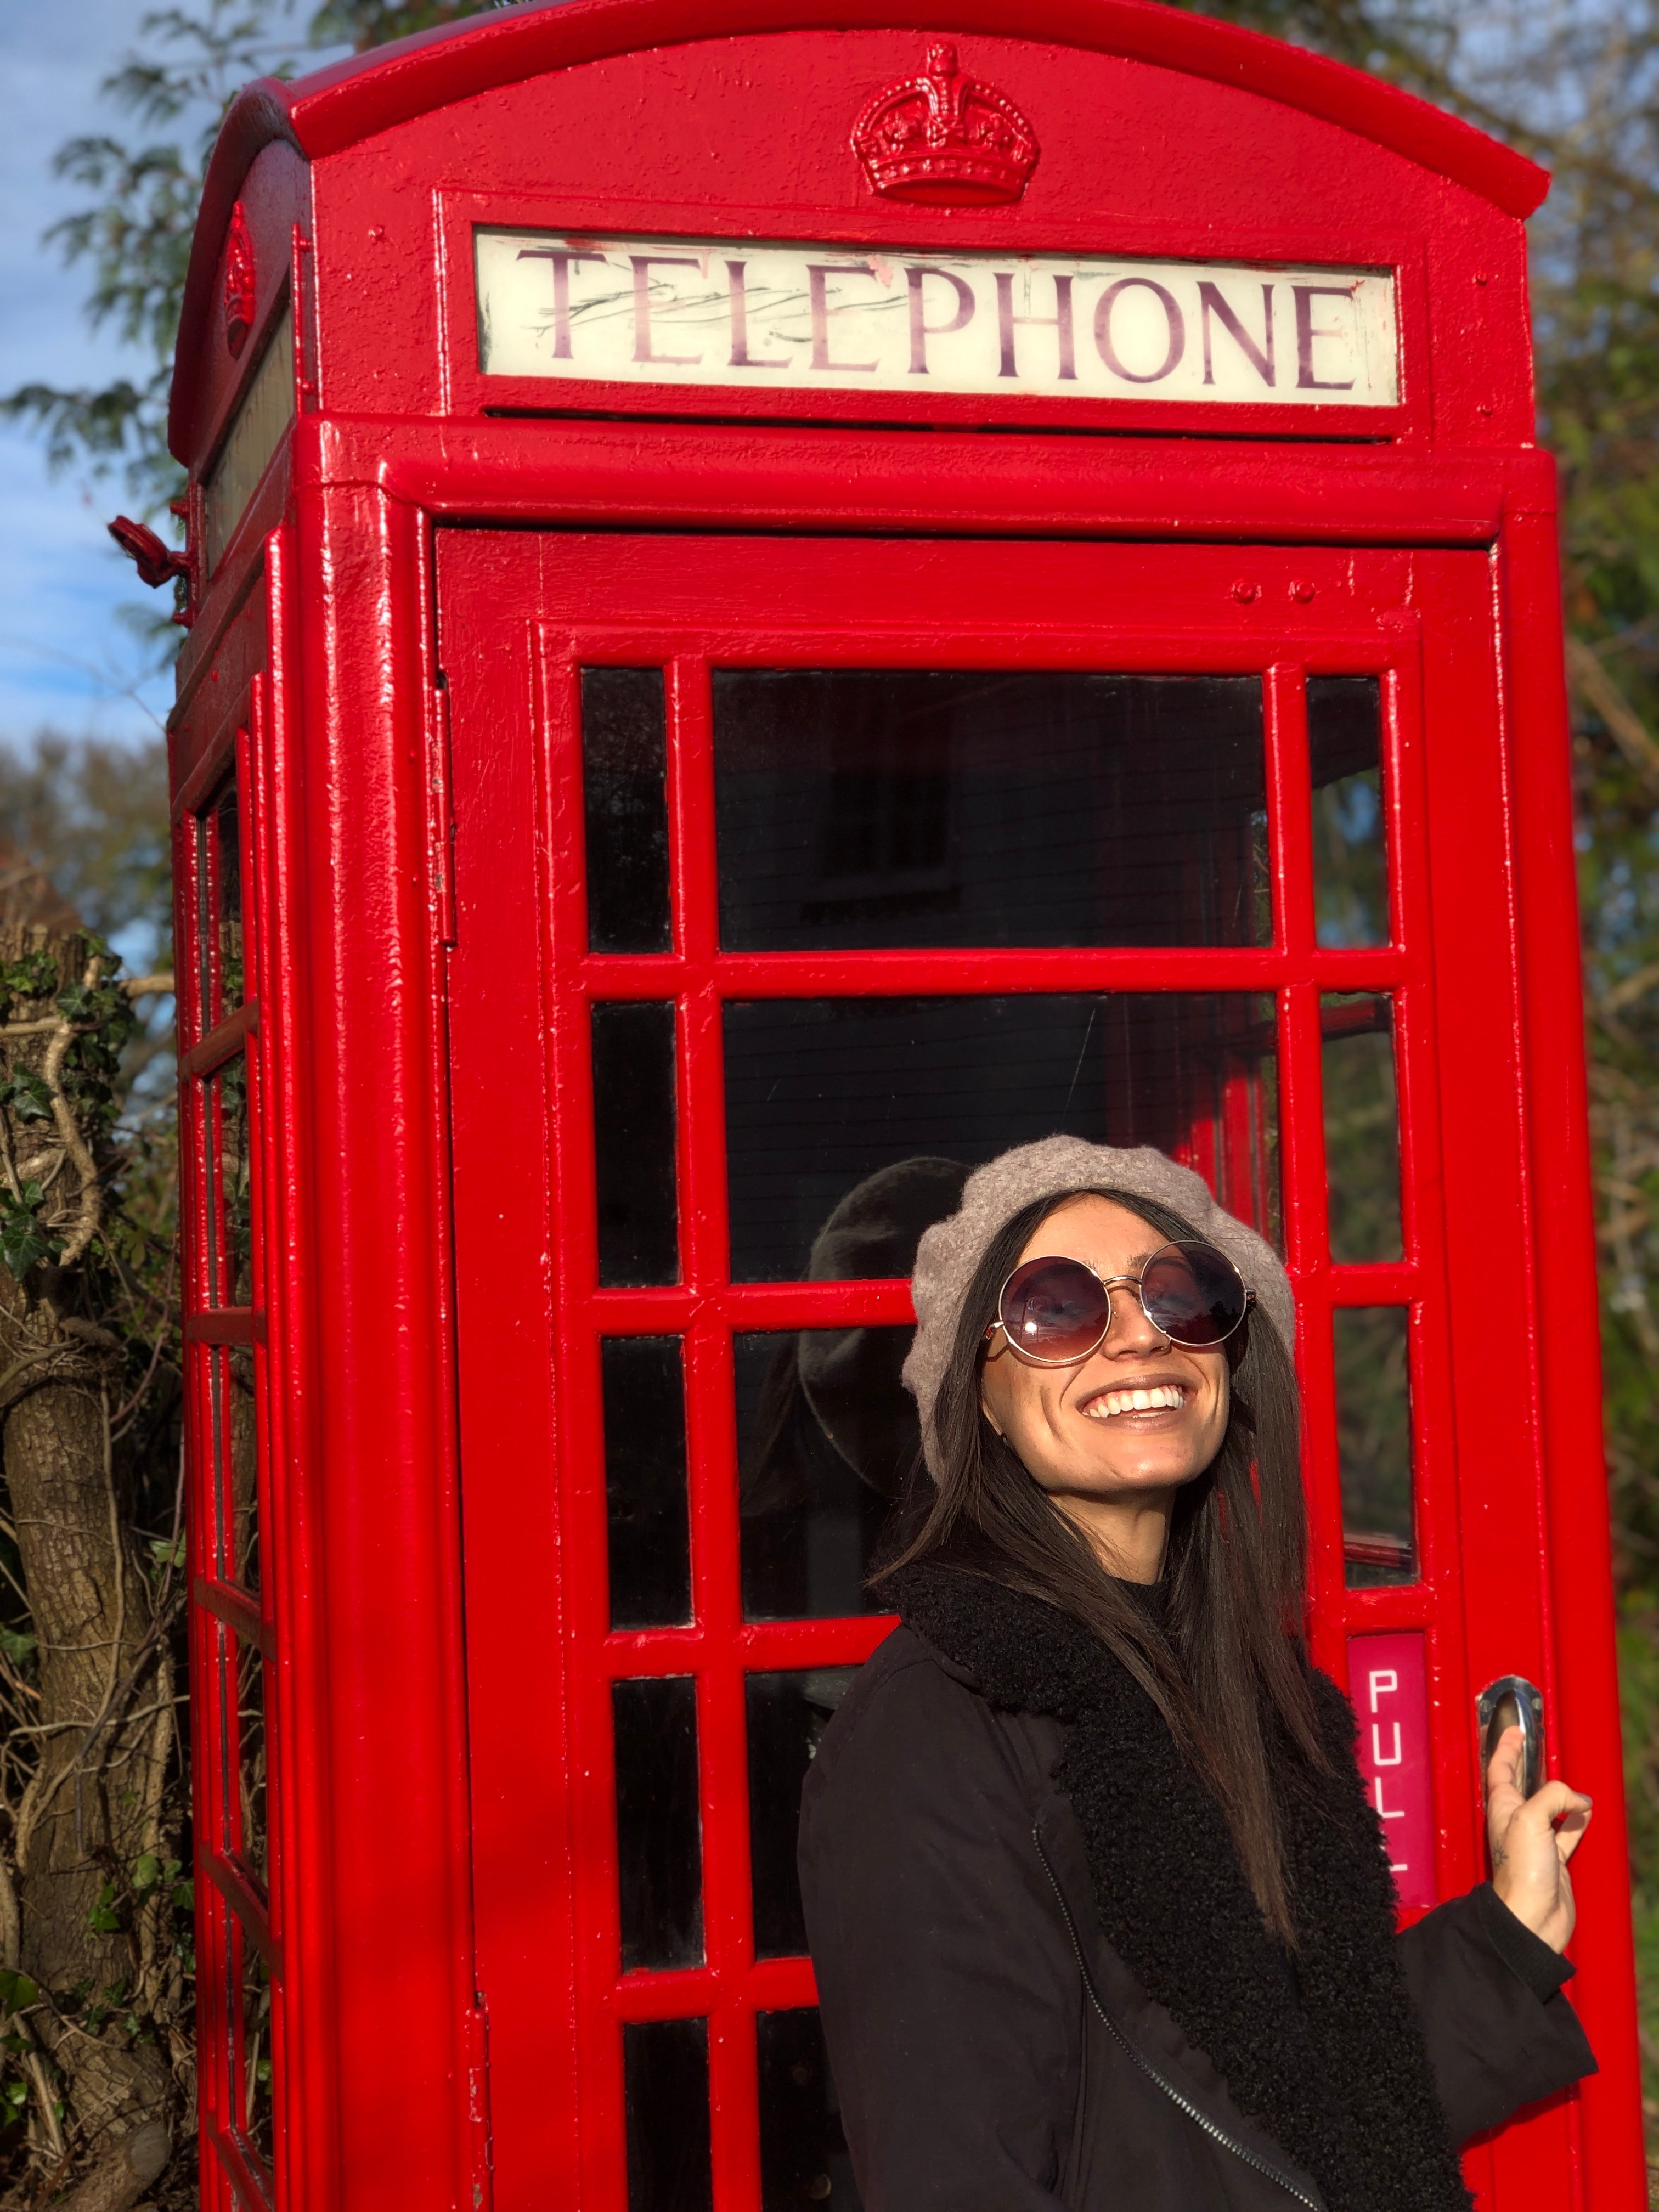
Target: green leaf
x,y
146,1871
16,1990
101,1920
31,977
184,1896
28,1096
24,1238
18,1646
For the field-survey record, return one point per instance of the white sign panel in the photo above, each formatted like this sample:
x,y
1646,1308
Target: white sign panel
x,y
840,318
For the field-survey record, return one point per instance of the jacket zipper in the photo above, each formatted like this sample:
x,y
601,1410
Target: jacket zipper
x,y
1162,2080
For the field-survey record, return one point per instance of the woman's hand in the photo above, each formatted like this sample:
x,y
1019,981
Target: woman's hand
x,y
1532,1840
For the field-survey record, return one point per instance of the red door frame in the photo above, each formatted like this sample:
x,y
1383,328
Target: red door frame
x,y
1406,618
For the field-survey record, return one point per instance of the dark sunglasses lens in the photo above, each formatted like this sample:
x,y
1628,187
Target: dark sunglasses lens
x,y
1192,1293
1053,1308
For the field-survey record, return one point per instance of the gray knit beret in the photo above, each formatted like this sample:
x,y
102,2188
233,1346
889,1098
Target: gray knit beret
x,y
951,1250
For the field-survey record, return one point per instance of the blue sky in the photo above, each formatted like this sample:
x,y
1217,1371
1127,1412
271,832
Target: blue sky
x,y
66,660
64,657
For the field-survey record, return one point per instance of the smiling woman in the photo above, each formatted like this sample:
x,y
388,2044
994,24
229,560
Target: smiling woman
x,y
1099,1910
1113,1406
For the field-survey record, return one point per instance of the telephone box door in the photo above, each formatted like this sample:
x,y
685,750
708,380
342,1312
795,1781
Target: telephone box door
x,y
791,879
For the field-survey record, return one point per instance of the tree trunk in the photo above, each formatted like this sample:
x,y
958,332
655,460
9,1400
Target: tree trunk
x,y
82,1914
91,1810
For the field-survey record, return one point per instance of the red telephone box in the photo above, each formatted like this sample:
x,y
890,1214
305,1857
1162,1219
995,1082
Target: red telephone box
x,y
782,597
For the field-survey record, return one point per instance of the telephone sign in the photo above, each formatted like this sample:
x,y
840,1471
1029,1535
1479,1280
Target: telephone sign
x,y
713,312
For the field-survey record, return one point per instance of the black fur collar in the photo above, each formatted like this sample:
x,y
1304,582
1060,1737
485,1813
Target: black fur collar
x,y
1328,2055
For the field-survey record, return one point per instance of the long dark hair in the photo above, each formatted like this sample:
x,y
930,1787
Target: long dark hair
x,y
1227,1672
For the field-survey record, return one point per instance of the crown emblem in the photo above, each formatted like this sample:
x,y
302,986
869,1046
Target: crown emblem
x,y
242,287
946,138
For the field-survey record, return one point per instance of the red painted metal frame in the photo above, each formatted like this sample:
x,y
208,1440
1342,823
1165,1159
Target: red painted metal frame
x,y
339,107
315,637
487,116
231,1911
787,1307
495,588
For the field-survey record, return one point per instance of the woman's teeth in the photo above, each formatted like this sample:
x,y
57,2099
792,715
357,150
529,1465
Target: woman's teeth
x,y
1163,1397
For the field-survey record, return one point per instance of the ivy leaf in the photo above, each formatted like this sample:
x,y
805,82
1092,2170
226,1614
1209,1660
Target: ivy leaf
x,y
24,1238
28,1096
146,1872
16,1990
18,1646
101,1921
31,977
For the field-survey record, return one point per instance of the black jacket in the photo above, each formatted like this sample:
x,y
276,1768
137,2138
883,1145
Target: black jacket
x,y
975,1824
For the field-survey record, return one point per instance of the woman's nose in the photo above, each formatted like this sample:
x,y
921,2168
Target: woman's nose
x,y
1129,1330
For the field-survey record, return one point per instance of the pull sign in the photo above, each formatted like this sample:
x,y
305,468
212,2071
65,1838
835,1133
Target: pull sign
x,y
1389,1683
735,311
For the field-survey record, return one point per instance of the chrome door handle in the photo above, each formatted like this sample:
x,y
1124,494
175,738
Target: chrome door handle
x,y
1509,1702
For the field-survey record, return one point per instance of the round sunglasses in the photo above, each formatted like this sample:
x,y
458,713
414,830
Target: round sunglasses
x,y
1056,1312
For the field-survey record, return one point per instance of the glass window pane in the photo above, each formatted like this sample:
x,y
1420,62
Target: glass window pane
x,y
227,854
624,781
804,2164
219,906
250,2012
659,1826
860,806
666,2083
253,1843
1361,1127
1374,1444
232,1441
225,1649
215,1408
206,927
1351,872
823,1093
644,1492
208,1102
826,1434
236,1209
788,1715
634,1121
